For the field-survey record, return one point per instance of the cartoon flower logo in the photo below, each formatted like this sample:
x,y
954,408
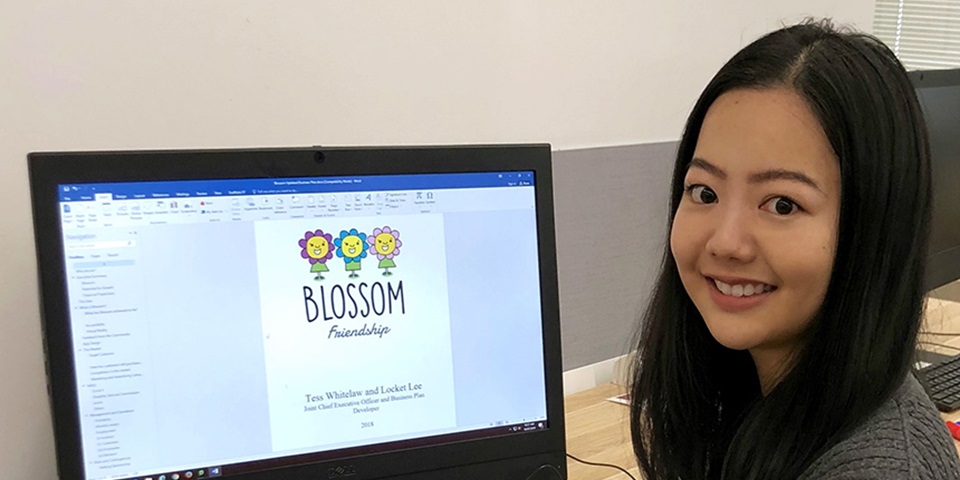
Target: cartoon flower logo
x,y
385,244
315,247
350,247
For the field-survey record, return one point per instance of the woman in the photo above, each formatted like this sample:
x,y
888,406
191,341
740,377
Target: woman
x,y
779,338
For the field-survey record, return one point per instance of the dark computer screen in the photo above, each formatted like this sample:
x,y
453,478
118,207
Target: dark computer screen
x,y
939,94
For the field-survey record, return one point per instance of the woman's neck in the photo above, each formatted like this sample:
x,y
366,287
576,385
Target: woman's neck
x,y
772,364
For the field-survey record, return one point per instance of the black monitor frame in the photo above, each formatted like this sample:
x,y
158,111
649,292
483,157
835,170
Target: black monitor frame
x,y
514,456
943,264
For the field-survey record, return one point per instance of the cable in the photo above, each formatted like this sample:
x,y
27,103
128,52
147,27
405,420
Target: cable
x,y
941,334
546,467
942,345
603,465
593,464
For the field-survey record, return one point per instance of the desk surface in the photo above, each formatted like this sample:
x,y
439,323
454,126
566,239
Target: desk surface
x,y
599,431
941,334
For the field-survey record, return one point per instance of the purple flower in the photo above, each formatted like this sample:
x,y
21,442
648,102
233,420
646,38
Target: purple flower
x,y
316,247
384,243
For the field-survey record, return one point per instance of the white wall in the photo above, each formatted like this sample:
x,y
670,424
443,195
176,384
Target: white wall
x,y
193,73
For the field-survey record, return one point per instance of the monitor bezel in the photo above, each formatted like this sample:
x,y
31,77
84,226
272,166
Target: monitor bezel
x,y
934,78
48,170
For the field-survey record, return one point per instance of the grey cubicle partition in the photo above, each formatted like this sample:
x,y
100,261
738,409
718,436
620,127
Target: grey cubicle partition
x,y
611,209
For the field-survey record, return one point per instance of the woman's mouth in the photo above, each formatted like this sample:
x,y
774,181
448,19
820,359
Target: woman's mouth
x,y
739,297
742,290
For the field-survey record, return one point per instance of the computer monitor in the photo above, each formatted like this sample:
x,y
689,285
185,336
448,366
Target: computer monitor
x,y
939,95
304,313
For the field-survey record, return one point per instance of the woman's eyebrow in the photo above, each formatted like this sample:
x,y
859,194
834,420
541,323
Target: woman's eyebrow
x,y
708,167
782,174
759,177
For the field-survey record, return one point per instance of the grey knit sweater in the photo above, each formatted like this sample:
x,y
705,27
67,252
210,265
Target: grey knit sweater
x,y
905,439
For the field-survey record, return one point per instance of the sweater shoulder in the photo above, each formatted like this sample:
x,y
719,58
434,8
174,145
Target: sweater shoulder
x,y
904,439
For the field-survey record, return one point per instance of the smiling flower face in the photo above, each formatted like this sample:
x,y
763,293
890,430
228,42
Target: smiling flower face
x,y
385,243
350,245
315,247
318,247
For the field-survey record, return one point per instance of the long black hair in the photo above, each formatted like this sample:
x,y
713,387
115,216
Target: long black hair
x,y
696,409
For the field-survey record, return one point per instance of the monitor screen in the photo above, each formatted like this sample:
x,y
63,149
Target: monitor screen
x,y
228,326
939,95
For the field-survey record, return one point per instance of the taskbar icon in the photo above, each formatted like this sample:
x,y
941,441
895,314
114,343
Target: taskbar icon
x,y
198,474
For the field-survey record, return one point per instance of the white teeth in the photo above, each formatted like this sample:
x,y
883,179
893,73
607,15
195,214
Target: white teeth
x,y
742,290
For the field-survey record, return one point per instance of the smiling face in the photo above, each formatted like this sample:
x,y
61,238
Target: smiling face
x,y
755,233
317,247
351,246
385,244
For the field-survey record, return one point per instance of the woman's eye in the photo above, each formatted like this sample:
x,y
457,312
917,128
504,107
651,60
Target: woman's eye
x,y
781,206
701,194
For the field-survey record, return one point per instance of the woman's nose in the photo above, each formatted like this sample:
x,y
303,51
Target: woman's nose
x,y
732,237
